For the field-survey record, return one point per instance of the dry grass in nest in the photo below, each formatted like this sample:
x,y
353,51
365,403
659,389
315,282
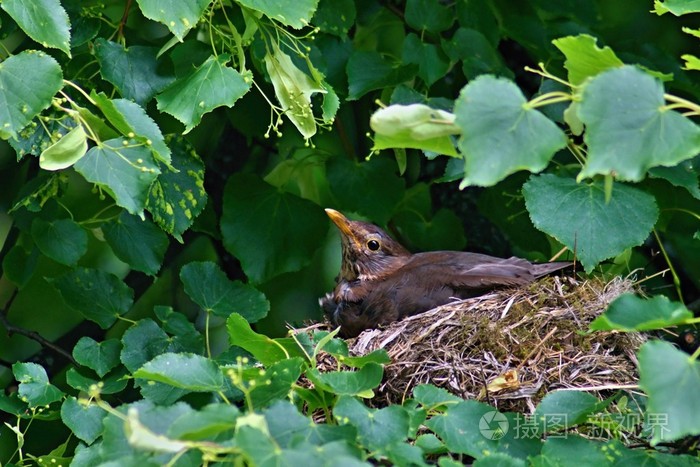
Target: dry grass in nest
x,y
509,347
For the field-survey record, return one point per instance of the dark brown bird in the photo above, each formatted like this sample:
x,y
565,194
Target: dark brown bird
x,y
381,282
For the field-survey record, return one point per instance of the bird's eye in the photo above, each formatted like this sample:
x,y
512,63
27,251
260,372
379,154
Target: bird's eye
x,y
373,245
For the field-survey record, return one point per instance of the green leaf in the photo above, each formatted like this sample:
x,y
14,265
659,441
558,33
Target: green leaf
x,y
584,59
578,216
122,168
501,133
269,231
177,197
296,14
498,459
352,383
379,356
133,122
41,133
34,387
98,356
142,342
186,371
97,295
428,15
670,379
571,407
432,63
376,428
66,151
682,175
414,126
264,349
114,382
175,323
211,85
84,419
288,427
478,430
573,449
206,423
413,121
293,89
335,16
431,396
137,242
45,21
62,240
368,71
628,128
275,382
439,145
32,70
376,180
631,313
676,7
133,71
18,265
177,15
477,53
207,285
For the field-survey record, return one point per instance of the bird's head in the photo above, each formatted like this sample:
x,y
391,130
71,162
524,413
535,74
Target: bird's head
x,y
368,252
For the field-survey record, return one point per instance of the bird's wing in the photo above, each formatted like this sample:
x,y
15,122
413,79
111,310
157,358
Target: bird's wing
x,y
471,270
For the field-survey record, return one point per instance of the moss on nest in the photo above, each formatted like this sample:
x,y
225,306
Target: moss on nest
x,y
532,340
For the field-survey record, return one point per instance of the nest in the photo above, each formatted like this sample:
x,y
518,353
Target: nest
x,y
508,348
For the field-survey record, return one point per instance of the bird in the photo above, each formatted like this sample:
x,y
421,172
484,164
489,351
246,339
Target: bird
x,y
380,281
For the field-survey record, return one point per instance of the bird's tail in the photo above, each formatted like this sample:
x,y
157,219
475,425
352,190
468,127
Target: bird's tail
x,y
542,269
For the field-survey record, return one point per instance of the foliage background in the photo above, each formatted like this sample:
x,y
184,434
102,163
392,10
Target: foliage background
x,y
100,246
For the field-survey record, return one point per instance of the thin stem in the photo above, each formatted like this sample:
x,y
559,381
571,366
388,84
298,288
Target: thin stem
x,y
549,98
679,102
676,279
206,334
545,74
80,90
695,355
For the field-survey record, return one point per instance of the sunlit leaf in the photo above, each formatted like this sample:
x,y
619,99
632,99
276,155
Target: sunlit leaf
x,y
85,420
628,130
125,169
66,151
211,85
45,21
186,371
177,197
670,379
629,312
584,58
27,70
296,14
177,15
577,215
501,134
34,387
